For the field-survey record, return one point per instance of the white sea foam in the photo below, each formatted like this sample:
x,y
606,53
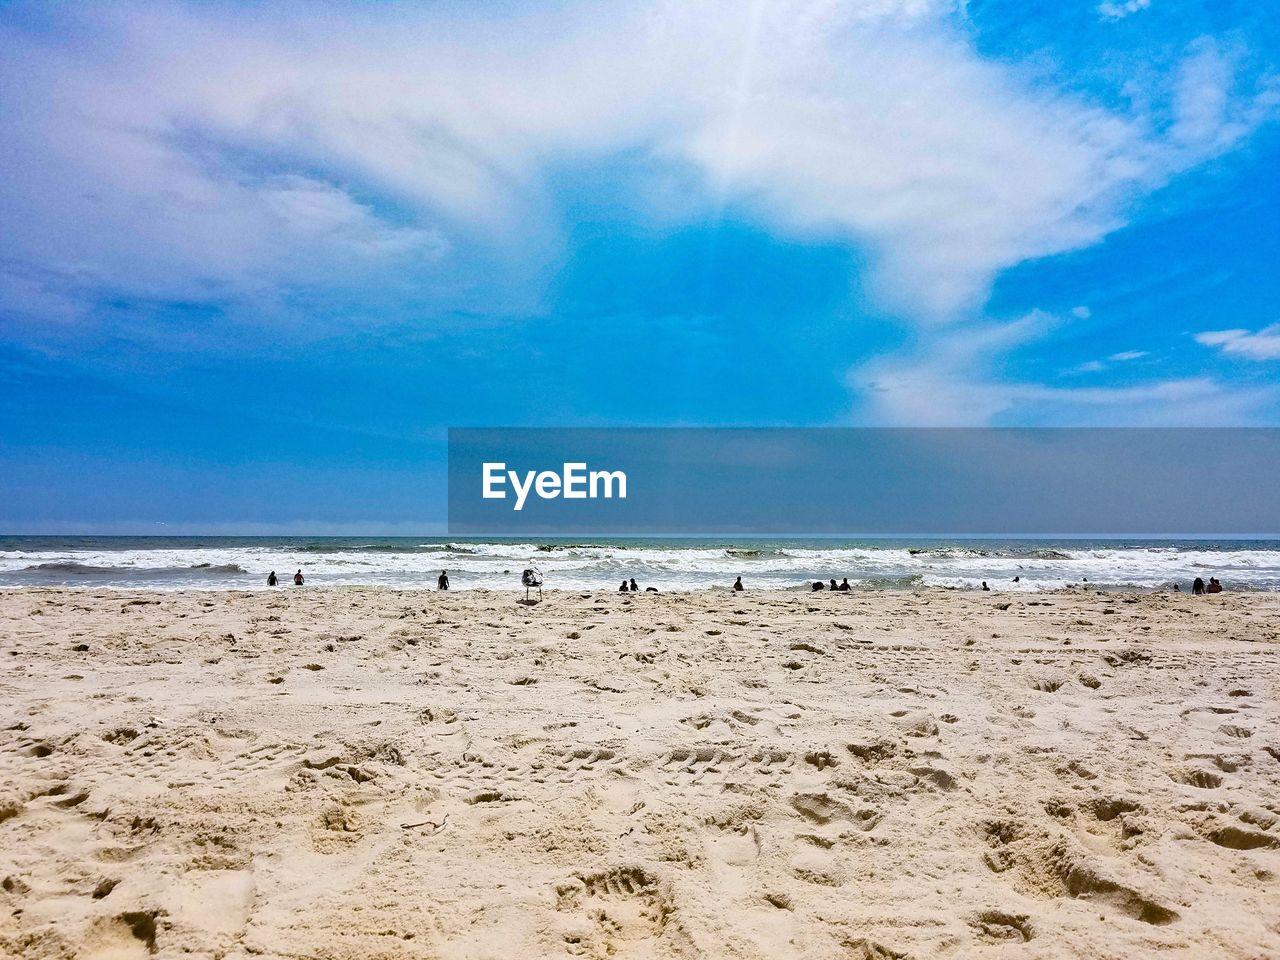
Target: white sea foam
x,y
667,565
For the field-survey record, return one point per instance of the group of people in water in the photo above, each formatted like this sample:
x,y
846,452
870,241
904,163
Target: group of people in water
x,y
1198,586
442,583
632,587
841,586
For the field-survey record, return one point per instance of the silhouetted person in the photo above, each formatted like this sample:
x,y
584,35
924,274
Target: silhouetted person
x,y
634,588
1017,579
818,585
844,584
623,588
1214,586
442,582
272,579
297,579
833,585
984,585
1197,587
737,585
1177,588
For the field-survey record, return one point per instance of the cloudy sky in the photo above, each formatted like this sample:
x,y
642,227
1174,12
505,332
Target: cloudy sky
x,y
254,259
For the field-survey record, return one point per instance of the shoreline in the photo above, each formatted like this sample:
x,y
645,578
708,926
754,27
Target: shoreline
x,y
1015,567
792,591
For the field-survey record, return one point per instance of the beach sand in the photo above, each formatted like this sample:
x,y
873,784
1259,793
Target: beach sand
x,y
363,773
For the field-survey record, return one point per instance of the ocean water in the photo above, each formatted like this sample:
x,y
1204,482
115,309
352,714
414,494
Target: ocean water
x,y
242,563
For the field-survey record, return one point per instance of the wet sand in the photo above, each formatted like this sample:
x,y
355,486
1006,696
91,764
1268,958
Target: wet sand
x,y
361,773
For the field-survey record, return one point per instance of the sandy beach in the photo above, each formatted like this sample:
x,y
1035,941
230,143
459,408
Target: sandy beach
x,y
354,773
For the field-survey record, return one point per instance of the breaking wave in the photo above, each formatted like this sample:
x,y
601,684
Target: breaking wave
x,y
71,568
674,564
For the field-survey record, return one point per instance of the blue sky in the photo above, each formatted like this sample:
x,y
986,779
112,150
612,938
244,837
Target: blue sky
x,y
255,260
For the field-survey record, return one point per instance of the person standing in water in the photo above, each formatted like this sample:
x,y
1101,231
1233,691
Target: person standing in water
x,y
442,582
272,579
297,579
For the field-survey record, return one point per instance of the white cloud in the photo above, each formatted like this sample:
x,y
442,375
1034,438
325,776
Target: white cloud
x,y
958,380
183,151
1097,366
1089,366
1262,345
1208,113
175,152
316,211
1118,11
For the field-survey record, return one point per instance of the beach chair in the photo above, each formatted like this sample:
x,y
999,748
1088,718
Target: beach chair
x,y
531,578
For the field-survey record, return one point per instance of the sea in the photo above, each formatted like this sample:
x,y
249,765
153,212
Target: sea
x,y
404,563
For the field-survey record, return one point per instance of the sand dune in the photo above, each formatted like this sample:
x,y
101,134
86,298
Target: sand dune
x,y
358,773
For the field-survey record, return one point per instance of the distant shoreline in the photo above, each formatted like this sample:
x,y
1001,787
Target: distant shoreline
x,y
603,592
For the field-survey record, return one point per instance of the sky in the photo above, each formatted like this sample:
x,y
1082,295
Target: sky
x,y
256,259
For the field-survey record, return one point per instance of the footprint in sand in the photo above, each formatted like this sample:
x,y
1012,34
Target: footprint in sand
x,y
732,838
584,762
1042,865
125,936
1200,779
1235,731
624,911
1049,684
269,758
1234,836
999,926
817,866
469,771
823,809
696,765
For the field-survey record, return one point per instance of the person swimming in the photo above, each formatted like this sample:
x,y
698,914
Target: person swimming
x,y
297,579
442,582
272,579
737,585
